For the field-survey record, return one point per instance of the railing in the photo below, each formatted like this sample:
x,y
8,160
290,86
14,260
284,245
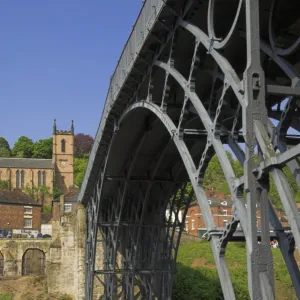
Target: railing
x,y
144,24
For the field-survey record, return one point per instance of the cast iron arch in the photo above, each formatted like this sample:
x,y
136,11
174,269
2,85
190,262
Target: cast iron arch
x,y
249,108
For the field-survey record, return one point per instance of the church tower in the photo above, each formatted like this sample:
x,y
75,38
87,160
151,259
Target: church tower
x,y
63,157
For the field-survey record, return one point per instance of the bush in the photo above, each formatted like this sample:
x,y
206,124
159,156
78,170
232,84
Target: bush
x,y
65,297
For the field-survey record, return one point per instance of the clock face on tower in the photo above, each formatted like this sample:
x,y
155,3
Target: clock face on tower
x,y
63,164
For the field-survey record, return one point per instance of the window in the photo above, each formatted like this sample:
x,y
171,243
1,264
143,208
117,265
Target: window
x,y
44,177
17,179
22,179
224,212
186,226
193,224
63,146
67,208
27,210
39,178
28,222
225,222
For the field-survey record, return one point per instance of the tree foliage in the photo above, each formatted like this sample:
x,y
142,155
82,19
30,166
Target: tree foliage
x,y
23,147
80,165
43,149
38,193
4,148
215,181
4,185
83,144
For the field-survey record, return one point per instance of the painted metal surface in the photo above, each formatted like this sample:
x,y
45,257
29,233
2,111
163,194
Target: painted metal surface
x,y
195,78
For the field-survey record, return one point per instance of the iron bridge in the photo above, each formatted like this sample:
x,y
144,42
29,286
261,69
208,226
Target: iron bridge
x,y
195,78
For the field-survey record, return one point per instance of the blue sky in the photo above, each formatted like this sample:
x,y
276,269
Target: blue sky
x,y
56,60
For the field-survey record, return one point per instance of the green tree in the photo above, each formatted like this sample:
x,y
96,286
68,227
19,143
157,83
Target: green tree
x,y
80,165
23,147
214,179
31,191
4,185
5,152
43,149
4,148
56,191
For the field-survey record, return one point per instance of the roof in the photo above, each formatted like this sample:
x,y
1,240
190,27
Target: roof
x,y
26,163
17,198
70,196
214,201
46,218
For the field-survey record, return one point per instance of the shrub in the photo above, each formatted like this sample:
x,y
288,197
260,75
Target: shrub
x,y
65,297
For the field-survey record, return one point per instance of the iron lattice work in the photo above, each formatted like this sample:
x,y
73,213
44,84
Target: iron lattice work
x,y
196,78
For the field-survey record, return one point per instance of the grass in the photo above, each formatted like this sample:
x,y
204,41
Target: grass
x,y
197,277
5,297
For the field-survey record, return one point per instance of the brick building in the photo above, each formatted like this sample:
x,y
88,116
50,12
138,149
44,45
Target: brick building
x,y
19,211
221,208
32,172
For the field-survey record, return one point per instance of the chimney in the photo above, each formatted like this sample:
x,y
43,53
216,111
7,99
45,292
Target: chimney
x,y
62,204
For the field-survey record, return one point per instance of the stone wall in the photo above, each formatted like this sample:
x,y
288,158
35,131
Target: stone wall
x,y
64,255
13,251
66,270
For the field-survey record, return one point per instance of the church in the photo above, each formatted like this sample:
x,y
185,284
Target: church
x,y
33,172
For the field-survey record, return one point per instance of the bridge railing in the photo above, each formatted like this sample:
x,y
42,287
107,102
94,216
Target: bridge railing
x,y
141,29
147,17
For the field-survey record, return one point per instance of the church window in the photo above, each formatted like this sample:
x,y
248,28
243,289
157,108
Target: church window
x,y
39,178
44,177
17,179
22,178
63,146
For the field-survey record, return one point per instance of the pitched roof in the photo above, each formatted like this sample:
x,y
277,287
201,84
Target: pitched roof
x,y
26,163
214,201
17,197
70,196
45,218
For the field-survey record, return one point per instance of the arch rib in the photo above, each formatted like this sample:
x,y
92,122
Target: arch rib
x,y
222,62
221,153
199,192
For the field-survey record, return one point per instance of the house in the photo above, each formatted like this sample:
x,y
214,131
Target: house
x,y
19,211
65,203
222,210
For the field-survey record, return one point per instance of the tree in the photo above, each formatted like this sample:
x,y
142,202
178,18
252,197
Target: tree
x,y
4,185
56,191
43,149
5,152
214,179
37,193
23,147
4,148
83,144
80,165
